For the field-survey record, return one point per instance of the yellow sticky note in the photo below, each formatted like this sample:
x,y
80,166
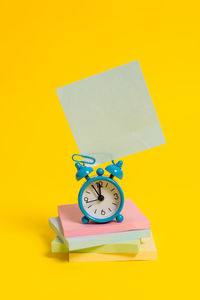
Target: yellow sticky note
x,y
147,252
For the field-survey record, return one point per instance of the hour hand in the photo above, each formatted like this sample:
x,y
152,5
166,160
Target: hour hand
x,y
92,201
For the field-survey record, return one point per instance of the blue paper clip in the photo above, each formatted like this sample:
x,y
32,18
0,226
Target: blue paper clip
x,y
93,160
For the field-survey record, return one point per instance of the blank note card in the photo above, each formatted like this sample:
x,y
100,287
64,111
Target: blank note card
x,y
111,114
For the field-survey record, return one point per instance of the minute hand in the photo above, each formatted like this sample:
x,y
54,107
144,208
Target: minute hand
x,y
95,190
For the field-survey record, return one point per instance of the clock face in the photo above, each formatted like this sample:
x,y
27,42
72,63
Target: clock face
x,y
101,199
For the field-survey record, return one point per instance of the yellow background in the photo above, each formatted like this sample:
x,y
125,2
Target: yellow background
x,y
48,44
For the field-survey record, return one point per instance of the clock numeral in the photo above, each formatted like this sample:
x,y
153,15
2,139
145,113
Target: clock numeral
x,y
103,212
116,197
99,183
86,199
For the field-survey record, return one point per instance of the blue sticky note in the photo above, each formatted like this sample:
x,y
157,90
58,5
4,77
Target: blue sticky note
x,y
111,114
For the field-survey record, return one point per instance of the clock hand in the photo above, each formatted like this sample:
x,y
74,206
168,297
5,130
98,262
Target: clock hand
x,y
92,200
99,186
100,197
95,190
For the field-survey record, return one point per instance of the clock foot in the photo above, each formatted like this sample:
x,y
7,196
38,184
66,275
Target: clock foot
x,y
119,218
85,220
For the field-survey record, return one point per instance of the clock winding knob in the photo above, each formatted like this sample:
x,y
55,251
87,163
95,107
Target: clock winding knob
x,y
100,171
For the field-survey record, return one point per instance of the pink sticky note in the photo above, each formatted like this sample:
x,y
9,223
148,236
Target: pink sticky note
x,y
70,217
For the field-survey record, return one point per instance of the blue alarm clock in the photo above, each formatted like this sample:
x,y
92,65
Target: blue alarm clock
x,y
100,199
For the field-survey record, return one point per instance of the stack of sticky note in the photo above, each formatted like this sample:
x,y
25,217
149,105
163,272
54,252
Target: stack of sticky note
x,y
128,240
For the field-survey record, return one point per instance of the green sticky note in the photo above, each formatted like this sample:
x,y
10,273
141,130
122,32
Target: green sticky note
x,y
82,242
133,246
57,246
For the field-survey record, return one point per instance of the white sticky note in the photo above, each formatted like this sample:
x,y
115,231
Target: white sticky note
x,y
111,114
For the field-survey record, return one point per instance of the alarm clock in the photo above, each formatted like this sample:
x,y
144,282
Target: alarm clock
x,y
100,199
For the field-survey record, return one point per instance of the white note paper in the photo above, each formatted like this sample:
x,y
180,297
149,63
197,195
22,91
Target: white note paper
x,y
111,114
